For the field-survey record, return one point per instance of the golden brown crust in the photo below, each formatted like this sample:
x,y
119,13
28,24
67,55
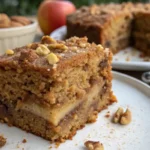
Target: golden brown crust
x,y
27,59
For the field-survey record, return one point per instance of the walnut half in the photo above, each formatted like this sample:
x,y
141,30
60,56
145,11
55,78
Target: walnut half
x,y
94,145
122,117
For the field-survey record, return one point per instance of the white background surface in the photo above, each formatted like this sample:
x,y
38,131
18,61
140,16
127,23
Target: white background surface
x,y
127,59
131,93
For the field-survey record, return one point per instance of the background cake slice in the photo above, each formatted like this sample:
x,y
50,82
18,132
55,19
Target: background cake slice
x,y
108,24
141,31
53,88
112,25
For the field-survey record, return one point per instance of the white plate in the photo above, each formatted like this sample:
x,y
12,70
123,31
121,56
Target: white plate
x,y
127,59
131,93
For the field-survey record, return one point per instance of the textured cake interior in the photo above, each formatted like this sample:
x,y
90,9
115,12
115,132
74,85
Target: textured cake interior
x,y
117,34
55,105
141,32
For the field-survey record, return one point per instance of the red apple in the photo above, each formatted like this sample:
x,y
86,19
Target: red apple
x,y
52,14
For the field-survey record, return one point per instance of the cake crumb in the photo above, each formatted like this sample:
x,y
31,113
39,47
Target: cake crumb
x,y
2,141
94,145
24,141
107,114
57,144
50,147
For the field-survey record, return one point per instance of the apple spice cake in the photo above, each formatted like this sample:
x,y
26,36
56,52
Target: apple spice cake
x,y
53,88
112,25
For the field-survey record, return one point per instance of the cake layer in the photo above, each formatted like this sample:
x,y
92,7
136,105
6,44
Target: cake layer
x,y
32,78
85,112
54,115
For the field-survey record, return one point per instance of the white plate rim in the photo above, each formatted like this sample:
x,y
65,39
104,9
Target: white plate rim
x,y
121,65
132,79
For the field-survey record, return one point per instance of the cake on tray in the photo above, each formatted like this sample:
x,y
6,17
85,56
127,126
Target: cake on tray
x,y
113,25
53,88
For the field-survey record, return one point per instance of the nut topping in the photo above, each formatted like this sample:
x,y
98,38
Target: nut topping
x,y
52,58
9,52
58,46
82,45
42,50
100,47
47,40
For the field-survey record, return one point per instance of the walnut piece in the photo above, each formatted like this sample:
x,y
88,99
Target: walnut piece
x,y
2,141
9,52
92,145
58,46
126,117
42,50
4,21
14,21
16,24
122,117
20,19
99,47
82,45
118,115
47,40
33,46
52,58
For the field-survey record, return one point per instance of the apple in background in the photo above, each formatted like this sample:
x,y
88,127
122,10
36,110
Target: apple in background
x,y
52,14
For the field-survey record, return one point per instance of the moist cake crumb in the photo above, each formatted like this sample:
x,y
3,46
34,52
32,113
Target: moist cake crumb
x,y
2,141
24,141
107,114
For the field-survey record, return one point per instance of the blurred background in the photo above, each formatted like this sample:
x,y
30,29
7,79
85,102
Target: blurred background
x,y
29,7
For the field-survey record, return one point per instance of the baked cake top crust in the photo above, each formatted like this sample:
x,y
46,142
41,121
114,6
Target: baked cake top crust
x,y
50,54
99,15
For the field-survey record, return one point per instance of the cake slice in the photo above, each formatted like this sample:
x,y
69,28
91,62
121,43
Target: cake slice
x,y
53,88
109,25
112,25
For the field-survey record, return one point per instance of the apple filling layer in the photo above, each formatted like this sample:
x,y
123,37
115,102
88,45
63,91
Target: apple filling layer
x,y
55,115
